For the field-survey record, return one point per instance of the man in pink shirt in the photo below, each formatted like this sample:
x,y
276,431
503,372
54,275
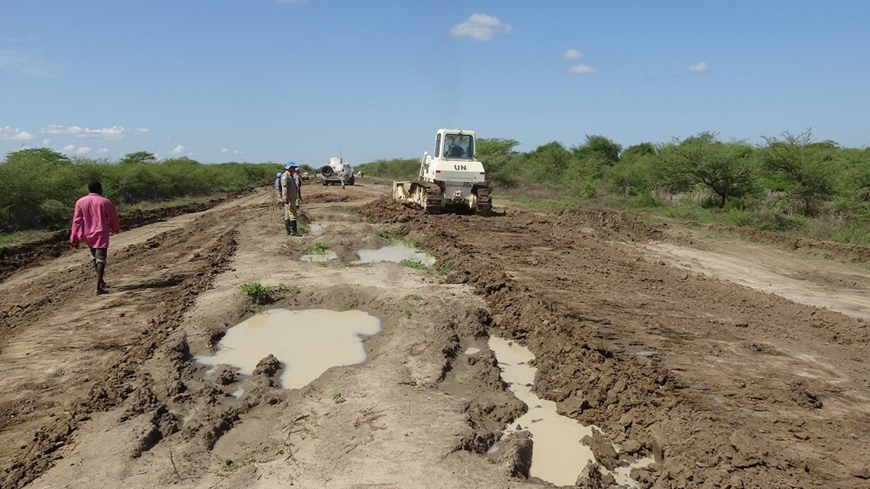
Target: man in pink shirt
x,y
94,217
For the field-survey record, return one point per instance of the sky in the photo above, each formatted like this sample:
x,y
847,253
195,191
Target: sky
x,y
279,80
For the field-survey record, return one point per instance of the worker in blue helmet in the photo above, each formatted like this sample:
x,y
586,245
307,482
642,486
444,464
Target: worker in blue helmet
x,y
277,186
291,197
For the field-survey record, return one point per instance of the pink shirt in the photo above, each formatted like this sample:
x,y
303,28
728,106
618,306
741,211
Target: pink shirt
x,y
94,217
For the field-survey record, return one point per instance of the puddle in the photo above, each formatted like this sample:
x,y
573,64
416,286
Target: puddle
x,y
316,227
306,342
558,456
394,253
318,257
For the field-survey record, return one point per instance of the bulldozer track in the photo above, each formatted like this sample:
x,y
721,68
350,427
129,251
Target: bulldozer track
x,y
484,201
433,197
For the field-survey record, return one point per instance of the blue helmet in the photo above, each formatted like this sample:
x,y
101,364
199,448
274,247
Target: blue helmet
x,y
289,165
277,174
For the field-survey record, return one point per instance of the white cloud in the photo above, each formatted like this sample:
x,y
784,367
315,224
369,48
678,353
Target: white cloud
x,y
27,64
114,133
46,142
224,150
177,150
9,134
68,148
481,27
237,152
582,70
698,68
103,151
572,54
83,150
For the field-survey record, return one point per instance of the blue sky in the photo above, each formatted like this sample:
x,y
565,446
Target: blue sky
x,y
271,80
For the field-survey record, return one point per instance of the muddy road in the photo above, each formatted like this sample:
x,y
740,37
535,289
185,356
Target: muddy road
x,y
725,361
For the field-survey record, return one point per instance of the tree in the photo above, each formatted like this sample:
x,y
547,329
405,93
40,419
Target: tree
x,y
726,169
806,169
605,150
141,157
497,156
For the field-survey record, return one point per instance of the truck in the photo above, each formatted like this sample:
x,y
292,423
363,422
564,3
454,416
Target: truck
x,y
451,179
330,171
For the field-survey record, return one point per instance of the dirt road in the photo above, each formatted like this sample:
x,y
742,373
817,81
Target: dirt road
x,y
733,363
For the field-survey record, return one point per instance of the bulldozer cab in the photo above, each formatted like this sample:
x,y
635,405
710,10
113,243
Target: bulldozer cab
x,y
458,145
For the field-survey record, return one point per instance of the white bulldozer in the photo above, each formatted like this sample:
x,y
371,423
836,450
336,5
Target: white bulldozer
x,y
451,179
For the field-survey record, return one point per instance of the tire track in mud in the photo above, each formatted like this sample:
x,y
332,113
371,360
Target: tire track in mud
x,y
158,279
592,310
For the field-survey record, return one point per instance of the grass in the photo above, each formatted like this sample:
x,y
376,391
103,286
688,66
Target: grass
x,y
148,205
21,237
415,264
262,295
303,228
397,238
319,248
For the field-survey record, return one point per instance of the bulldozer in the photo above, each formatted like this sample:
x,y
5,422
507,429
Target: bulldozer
x,y
451,179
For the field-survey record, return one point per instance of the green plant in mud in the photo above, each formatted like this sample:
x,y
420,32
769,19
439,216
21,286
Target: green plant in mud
x,y
415,264
337,398
408,310
396,238
258,293
319,248
303,228
444,268
227,467
415,297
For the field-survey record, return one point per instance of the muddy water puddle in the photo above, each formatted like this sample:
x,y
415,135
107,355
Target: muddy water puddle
x,y
319,257
394,253
558,454
306,342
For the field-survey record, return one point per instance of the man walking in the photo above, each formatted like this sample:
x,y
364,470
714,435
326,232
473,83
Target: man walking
x,y
94,218
291,197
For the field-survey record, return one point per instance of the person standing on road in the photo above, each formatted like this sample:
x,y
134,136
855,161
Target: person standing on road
x,y
343,176
94,218
292,200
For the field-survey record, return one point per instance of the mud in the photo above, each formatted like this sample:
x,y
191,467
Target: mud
x,y
643,330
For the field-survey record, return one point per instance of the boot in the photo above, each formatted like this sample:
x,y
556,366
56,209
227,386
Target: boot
x,y
289,227
293,231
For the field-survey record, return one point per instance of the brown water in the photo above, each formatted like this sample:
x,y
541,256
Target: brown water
x,y
394,253
558,456
306,342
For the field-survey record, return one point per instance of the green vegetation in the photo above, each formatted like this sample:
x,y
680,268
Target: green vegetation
x,y
262,295
790,184
303,228
39,187
397,238
394,169
318,248
416,264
